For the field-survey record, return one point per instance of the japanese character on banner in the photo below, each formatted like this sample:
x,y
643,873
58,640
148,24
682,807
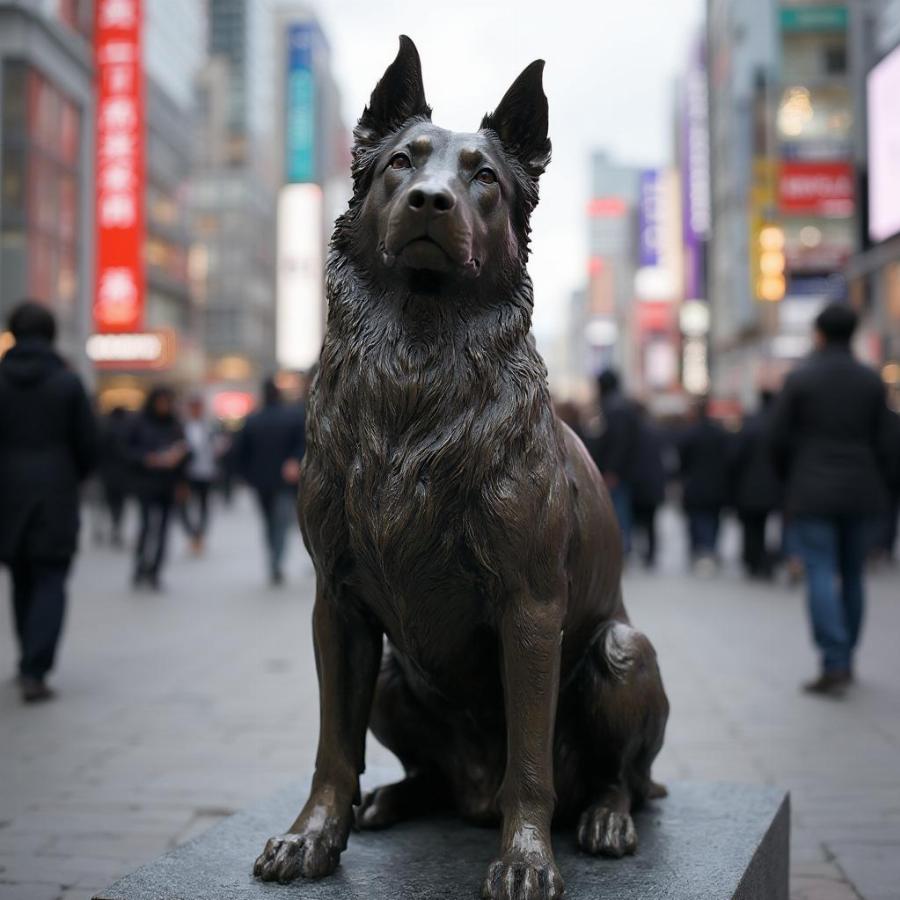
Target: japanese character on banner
x,y
119,78
118,14
120,53
117,176
119,114
117,294
118,210
118,146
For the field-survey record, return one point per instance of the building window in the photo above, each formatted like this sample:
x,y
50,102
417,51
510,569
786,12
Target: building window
x,y
40,185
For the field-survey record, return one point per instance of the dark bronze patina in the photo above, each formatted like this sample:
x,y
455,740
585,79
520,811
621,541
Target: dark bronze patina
x,y
449,511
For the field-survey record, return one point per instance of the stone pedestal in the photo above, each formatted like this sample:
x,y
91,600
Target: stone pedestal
x,y
704,842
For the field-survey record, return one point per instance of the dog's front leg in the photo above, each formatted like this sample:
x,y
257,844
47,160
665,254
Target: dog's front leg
x,y
530,638
348,652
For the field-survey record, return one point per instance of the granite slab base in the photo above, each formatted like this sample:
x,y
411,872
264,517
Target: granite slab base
x,y
703,842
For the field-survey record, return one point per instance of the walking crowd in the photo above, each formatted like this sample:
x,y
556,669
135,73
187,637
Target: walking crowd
x,y
823,456
53,445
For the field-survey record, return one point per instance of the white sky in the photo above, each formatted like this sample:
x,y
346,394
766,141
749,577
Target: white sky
x,y
608,79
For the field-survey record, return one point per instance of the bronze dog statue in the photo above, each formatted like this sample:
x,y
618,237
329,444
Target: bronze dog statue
x,y
448,510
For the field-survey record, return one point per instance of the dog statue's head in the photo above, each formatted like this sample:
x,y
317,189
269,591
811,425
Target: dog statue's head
x,y
431,206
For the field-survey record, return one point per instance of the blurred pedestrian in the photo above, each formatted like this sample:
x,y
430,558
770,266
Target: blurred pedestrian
x,y
648,484
115,469
268,452
205,448
48,445
830,434
755,487
703,455
614,450
159,452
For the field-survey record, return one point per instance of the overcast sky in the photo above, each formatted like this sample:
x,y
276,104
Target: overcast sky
x,y
610,68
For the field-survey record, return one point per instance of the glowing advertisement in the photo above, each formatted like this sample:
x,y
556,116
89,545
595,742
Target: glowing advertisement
x,y
300,304
119,286
884,148
300,125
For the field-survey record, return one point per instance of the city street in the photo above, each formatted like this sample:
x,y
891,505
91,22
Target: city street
x,y
176,709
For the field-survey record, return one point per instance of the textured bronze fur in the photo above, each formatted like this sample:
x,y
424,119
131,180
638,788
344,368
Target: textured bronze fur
x,y
448,511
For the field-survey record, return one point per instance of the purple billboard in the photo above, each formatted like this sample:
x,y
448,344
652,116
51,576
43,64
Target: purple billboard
x,y
649,218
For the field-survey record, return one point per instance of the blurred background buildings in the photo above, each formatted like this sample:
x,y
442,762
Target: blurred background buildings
x,y
170,170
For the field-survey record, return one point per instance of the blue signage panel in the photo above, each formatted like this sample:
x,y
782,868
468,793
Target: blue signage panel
x,y
300,111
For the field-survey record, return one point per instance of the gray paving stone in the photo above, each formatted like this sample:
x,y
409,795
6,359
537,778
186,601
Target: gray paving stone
x,y
704,841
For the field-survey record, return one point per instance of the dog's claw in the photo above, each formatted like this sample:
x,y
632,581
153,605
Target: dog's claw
x,y
605,832
311,855
517,879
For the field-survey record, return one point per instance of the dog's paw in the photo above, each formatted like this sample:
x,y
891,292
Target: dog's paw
x,y
290,856
520,879
380,808
605,832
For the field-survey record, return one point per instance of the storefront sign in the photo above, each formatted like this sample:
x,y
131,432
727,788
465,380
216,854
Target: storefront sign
x,y
816,188
119,285
814,18
128,351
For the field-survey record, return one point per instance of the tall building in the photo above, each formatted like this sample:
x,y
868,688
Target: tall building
x,y
233,199
147,54
95,154
241,32
313,161
46,163
784,199
601,314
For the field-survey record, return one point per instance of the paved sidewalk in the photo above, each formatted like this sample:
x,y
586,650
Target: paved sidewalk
x,y
175,710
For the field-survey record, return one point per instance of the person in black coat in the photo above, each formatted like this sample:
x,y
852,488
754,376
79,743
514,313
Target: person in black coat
x,y
648,483
114,469
614,450
830,439
158,452
268,452
755,487
48,445
703,454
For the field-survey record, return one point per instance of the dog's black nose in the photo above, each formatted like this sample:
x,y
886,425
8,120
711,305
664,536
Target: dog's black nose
x,y
433,200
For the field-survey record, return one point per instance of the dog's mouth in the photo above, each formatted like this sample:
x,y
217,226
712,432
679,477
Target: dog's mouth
x,y
423,252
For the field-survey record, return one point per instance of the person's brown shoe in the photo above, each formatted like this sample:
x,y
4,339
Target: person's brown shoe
x,y
35,690
829,684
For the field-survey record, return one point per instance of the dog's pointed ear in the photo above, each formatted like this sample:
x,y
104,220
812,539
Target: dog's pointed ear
x,y
398,97
521,120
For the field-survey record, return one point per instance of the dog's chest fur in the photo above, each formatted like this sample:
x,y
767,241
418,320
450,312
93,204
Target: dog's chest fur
x,y
422,439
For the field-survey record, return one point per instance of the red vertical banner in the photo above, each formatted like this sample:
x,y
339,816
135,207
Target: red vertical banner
x,y
120,143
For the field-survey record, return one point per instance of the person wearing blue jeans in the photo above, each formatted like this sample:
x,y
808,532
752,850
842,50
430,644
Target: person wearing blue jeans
x,y
279,512
703,532
268,454
830,444
834,556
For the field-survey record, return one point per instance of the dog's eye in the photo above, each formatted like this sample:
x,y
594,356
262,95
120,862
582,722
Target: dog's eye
x,y
400,161
486,176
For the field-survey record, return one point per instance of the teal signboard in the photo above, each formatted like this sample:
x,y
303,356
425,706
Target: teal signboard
x,y
814,18
300,106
